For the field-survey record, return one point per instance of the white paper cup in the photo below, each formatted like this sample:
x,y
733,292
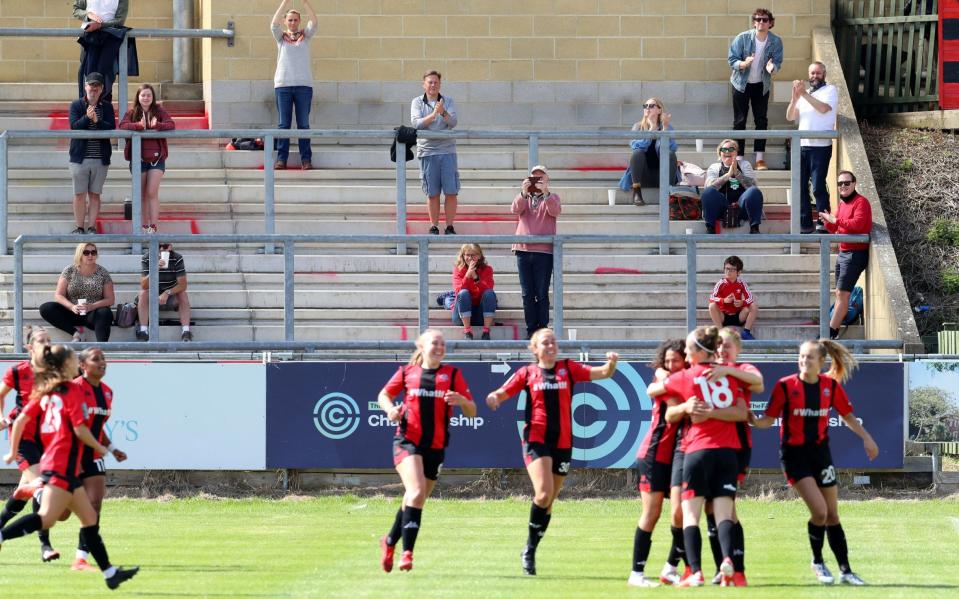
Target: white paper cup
x,y
789,197
82,305
611,196
571,333
164,257
689,231
699,145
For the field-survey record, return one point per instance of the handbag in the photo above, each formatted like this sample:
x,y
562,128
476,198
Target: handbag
x,y
684,207
126,315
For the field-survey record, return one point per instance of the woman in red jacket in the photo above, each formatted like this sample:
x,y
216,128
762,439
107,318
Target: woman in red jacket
x,y
853,217
473,286
145,115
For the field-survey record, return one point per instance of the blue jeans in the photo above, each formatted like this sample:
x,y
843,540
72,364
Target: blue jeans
x,y
715,204
813,164
535,271
300,97
463,308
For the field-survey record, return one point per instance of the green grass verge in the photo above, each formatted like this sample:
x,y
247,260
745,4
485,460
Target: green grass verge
x,y
327,547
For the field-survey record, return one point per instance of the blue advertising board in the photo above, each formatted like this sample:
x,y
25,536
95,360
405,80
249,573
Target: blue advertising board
x,y
325,415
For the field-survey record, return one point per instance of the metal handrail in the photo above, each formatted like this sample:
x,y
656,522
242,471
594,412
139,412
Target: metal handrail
x,y
288,242
533,137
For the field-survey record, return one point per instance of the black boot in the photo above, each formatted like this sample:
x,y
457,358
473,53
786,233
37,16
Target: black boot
x,y
638,196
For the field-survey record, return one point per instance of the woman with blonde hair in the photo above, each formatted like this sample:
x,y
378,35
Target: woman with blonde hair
x,y
84,296
547,436
473,288
647,152
430,390
731,186
803,401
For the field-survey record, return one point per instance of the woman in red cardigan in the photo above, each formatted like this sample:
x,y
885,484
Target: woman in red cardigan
x,y
853,217
145,115
473,286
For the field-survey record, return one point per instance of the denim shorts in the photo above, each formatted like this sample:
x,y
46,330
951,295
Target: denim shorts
x,y
145,166
439,173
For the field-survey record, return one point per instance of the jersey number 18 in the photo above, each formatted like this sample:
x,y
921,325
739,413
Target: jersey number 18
x,y
716,393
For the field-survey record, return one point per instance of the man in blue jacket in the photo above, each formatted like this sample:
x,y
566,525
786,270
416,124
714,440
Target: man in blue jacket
x,y
753,57
89,158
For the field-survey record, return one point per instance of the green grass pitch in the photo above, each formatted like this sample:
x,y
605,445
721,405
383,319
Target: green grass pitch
x,y
327,547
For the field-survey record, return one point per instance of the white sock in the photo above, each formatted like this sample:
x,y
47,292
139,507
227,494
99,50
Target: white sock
x,y
143,328
186,328
759,156
109,572
81,554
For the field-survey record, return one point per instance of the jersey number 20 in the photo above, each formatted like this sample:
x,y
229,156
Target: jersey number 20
x,y
52,413
717,393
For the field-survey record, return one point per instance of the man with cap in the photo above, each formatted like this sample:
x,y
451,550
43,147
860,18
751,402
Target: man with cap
x,y
89,158
537,208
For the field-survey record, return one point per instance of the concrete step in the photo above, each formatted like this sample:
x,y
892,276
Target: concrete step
x,y
65,92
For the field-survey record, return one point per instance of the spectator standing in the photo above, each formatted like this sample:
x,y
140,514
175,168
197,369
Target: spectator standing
x,y
439,171
147,115
537,209
293,80
103,33
475,302
172,285
815,110
731,185
644,161
853,217
89,158
754,56
84,296
731,304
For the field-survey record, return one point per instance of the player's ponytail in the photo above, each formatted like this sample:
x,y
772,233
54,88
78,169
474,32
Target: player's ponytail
x,y
52,370
417,358
843,363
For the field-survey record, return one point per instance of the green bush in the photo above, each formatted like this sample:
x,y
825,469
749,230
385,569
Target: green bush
x,y
950,280
944,231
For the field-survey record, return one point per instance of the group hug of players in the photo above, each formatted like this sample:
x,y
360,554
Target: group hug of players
x,y
697,448
58,439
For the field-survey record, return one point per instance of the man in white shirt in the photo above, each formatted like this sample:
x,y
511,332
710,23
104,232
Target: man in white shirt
x,y
815,109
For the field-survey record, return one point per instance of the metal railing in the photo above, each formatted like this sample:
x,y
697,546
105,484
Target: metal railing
x,y
533,138
288,243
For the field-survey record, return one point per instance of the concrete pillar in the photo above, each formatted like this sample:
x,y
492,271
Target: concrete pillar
x,y
183,47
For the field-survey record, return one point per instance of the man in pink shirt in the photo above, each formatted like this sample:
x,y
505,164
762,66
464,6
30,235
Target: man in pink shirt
x,y
537,209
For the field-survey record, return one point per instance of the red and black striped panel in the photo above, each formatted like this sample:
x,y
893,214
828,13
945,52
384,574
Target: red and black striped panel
x,y
948,54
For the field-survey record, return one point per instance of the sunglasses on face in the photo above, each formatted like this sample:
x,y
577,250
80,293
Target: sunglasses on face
x,y
761,19
727,150
650,106
89,252
844,183
164,246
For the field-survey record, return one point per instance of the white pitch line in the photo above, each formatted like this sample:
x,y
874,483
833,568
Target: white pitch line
x,y
955,523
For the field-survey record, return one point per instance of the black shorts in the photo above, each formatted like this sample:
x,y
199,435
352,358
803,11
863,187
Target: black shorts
x,y
732,320
800,461
28,454
742,459
58,479
562,458
93,468
676,476
710,473
432,458
849,266
653,476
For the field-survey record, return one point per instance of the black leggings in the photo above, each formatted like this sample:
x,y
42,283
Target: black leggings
x,y
100,320
649,177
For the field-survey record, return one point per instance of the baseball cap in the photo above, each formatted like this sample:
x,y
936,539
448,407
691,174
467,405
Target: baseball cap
x,y
94,77
538,167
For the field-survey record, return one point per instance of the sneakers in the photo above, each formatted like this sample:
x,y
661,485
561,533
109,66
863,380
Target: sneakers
x,y
668,575
851,578
754,229
822,573
386,555
449,230
747,336
186,336
434,230
279,165
406,561
306,165
25,491
468,335
739,579
485,336
82,565
121,576
638,196
48,553
92,230
717,579
142,335
727,570
78,231
77,337
693,580
528,557
638,579
761,165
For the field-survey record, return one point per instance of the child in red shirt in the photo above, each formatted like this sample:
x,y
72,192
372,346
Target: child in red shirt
x,y
732,304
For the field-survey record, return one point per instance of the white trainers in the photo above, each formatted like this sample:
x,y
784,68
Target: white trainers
x,y
851,578
718,578
726,571
822,573
638,579
668,575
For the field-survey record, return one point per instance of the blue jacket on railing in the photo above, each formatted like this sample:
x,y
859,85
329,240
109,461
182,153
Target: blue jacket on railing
x,y
745,45
80,121
626,182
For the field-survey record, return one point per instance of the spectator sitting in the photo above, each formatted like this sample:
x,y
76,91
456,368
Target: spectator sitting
x,y
172,273
473,286
144,116
853,217
537,209
90,158
644,161
84,296
731,303
731,185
